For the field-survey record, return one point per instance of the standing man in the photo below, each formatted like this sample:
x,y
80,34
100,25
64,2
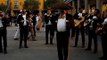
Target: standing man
x,y
3,33
80,28
34,22
64,24
92,27
23,26
104,37
49,20
104,40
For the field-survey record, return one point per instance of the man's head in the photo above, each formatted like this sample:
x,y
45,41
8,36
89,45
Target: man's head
x,y
30,14
80,10
1,14
96,12
49,11
24,11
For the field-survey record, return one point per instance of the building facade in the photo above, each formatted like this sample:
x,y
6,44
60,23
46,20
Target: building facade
x,y
14,4
99,4
41,5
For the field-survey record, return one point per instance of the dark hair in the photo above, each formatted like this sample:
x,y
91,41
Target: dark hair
x,y
97,11
36,12
93,6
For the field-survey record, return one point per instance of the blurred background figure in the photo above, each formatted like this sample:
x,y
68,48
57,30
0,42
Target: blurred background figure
x,y
49,20
23,26
3,33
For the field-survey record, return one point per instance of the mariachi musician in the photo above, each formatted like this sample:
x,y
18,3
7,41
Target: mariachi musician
x,y
64,25
104,37
3,33
23,26
50,21
31,25
79,20
94,21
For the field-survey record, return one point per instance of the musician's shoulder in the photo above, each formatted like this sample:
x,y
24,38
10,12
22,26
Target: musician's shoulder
x,y
69,15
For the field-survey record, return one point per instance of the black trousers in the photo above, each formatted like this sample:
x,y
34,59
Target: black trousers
x,y
23,36
62,45
3,36
49,29
81,30
104,45
92,36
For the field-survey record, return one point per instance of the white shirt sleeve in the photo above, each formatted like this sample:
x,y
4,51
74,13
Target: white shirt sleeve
x,y
105,21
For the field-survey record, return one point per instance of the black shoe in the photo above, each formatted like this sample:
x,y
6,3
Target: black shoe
x,y
102,57
94,52
5,52
20,47
46,43
15,38
51,43
87,49
74,46
34,40
26,46
83,46
1,51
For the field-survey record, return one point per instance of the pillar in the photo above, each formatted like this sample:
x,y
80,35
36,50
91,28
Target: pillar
x,y
86,5
78,5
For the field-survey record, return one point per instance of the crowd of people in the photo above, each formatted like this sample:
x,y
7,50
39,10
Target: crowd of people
x,y
64,24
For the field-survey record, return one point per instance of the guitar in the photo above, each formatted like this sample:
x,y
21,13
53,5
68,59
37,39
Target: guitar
x,y
78,21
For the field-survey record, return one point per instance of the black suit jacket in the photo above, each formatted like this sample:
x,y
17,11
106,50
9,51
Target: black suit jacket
x,y
95,23
19,19
4,22
51,18
69,24
34,20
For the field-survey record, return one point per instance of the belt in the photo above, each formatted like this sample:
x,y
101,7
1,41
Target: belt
x,y
1,28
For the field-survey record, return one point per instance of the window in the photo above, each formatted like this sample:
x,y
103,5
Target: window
x,y
16,4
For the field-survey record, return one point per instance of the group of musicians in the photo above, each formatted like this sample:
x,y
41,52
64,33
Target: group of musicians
x,y
90,24
93,25
65,25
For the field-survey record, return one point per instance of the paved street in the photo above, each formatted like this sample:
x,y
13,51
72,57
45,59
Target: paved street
x,y
39,51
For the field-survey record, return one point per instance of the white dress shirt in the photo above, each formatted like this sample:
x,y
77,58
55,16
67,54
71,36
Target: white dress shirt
x,y
61,24
80,14
105,21
1,25
25,21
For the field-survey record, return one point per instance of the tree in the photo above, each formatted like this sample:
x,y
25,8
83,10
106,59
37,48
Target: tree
x,y
3,7
52,3
31,4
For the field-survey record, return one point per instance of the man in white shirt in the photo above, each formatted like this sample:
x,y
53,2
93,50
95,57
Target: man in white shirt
x,y
64,24
23,26
3,34
49,20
